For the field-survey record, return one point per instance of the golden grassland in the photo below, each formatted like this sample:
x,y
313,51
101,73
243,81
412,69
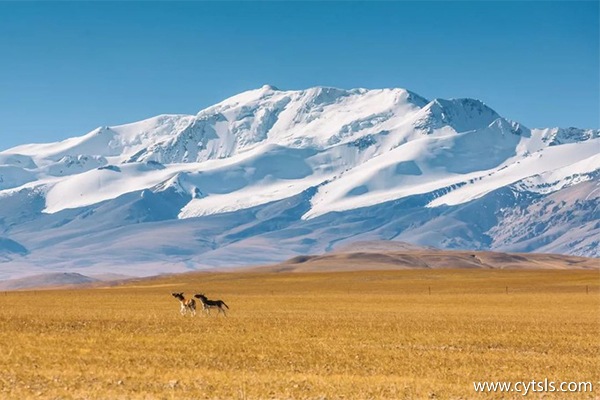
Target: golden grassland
x,y
338,335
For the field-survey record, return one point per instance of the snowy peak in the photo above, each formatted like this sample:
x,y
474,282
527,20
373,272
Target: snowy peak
x,y
558,136
305,170
271,88
316,117
506,127
358,147
460,114
118,143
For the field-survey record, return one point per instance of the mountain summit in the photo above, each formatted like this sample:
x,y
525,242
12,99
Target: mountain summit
x,y
269,174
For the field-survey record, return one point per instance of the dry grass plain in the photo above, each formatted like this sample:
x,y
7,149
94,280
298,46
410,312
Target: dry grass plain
x,y
336,335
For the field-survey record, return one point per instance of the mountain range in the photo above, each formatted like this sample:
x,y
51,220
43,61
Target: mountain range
x,y
270,174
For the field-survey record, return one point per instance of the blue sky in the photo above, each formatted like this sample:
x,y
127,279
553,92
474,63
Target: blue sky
x,y
66,68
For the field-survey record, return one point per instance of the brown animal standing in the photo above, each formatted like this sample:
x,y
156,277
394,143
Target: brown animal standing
x,y
185,304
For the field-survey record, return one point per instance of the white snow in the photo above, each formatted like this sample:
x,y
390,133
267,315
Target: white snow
x,y
271,168
542,164
359,147
98,185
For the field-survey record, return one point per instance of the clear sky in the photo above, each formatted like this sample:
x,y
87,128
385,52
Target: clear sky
x,y
66,68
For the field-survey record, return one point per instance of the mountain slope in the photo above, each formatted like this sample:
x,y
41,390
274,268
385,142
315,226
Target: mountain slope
x,y
46,280
298,171
427,259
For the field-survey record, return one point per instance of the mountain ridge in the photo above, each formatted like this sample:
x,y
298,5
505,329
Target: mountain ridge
x,y
287,168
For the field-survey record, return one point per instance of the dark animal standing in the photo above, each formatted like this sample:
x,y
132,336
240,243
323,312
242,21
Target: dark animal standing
x,y
208,304
185,304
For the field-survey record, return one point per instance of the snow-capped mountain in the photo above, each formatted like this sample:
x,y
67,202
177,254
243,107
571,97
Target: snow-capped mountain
x,y
269,174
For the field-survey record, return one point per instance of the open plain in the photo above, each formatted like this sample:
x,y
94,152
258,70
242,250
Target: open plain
x,y
404,334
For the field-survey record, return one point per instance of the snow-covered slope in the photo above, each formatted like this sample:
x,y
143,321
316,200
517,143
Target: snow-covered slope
x,y
273,166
